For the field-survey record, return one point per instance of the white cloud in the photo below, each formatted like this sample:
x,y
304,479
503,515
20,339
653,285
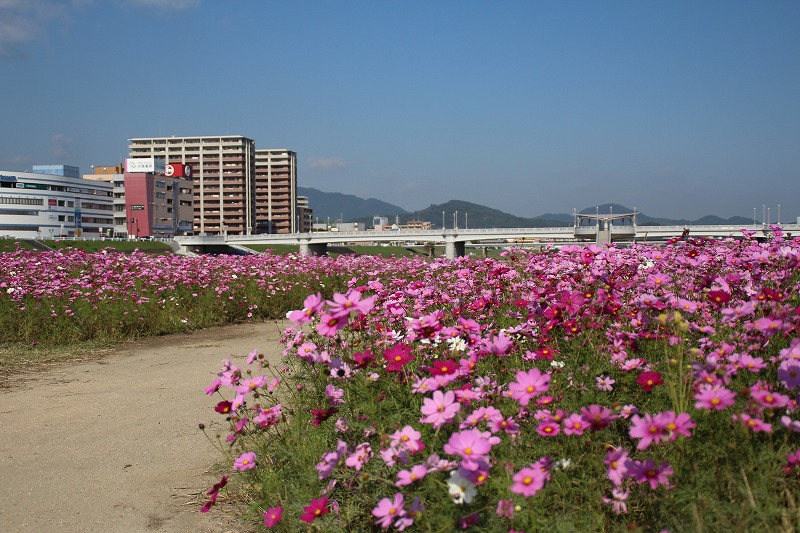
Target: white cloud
x,y
327,163
60,145
20,22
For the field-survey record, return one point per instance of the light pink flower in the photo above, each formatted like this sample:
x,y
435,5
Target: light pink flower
x,y
529,385
440,408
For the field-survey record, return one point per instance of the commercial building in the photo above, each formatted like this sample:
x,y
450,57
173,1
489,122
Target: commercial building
x,y
238,189
150,203
223,178
35,205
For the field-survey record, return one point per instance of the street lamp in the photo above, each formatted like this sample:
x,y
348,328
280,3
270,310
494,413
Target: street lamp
x,y
466,221
443,220
455,220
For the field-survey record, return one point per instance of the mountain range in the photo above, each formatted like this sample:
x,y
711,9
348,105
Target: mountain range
x,y
332,207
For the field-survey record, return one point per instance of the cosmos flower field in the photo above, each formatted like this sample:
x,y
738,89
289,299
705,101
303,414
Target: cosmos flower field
x,y
591,388
587,389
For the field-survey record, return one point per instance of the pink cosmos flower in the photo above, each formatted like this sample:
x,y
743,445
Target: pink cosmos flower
x,y
471,444
605,383
214,387
505,508
246,461
548,429
273,516
388,510
756,425
529,385
617,500
344,304
329,324
408,438
316,509
789,373
768,325
792,425
597,416
714,397
531,479
648,430
251,384
617,461
574,425
648,472
440,409
674,425
768,399
311,306
360,456
406,477
753,364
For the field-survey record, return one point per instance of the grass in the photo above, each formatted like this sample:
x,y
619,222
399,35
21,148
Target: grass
x,y
153,247
17,358
10,245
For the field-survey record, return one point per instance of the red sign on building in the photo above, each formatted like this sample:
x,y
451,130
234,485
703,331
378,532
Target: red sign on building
x,y
178,170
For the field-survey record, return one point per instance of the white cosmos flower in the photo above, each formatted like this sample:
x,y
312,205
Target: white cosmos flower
x,y
460,489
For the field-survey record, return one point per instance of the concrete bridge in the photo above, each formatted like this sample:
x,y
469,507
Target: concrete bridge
x,y
455,240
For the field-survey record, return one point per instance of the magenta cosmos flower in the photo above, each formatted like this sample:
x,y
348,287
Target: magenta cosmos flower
x,y
273,516
648,380
648,472
397,356
440,409
529,385
315,509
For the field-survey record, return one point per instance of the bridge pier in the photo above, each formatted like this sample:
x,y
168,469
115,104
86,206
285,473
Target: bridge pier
x,y
309,248
453,248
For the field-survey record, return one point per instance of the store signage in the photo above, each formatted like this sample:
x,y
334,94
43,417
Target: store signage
x,y
137,207
147,164
4,177
178,170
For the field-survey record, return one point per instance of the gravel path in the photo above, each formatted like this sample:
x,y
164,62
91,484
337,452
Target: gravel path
x,y
114,445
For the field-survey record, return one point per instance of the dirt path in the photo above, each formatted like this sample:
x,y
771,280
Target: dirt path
x,y
114,445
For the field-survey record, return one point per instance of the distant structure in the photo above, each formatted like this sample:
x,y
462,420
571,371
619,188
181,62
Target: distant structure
x,y
605,228
305,214
46,205
154,200
66,171
238,190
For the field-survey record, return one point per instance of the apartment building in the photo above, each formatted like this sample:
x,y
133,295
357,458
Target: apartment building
x,y
276,191
223,178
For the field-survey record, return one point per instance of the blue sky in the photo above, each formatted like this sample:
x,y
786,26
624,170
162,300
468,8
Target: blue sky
x,y
677,108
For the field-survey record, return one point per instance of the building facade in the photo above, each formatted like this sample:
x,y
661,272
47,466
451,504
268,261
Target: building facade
x,y
49,206
223,178
276,191
147,204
